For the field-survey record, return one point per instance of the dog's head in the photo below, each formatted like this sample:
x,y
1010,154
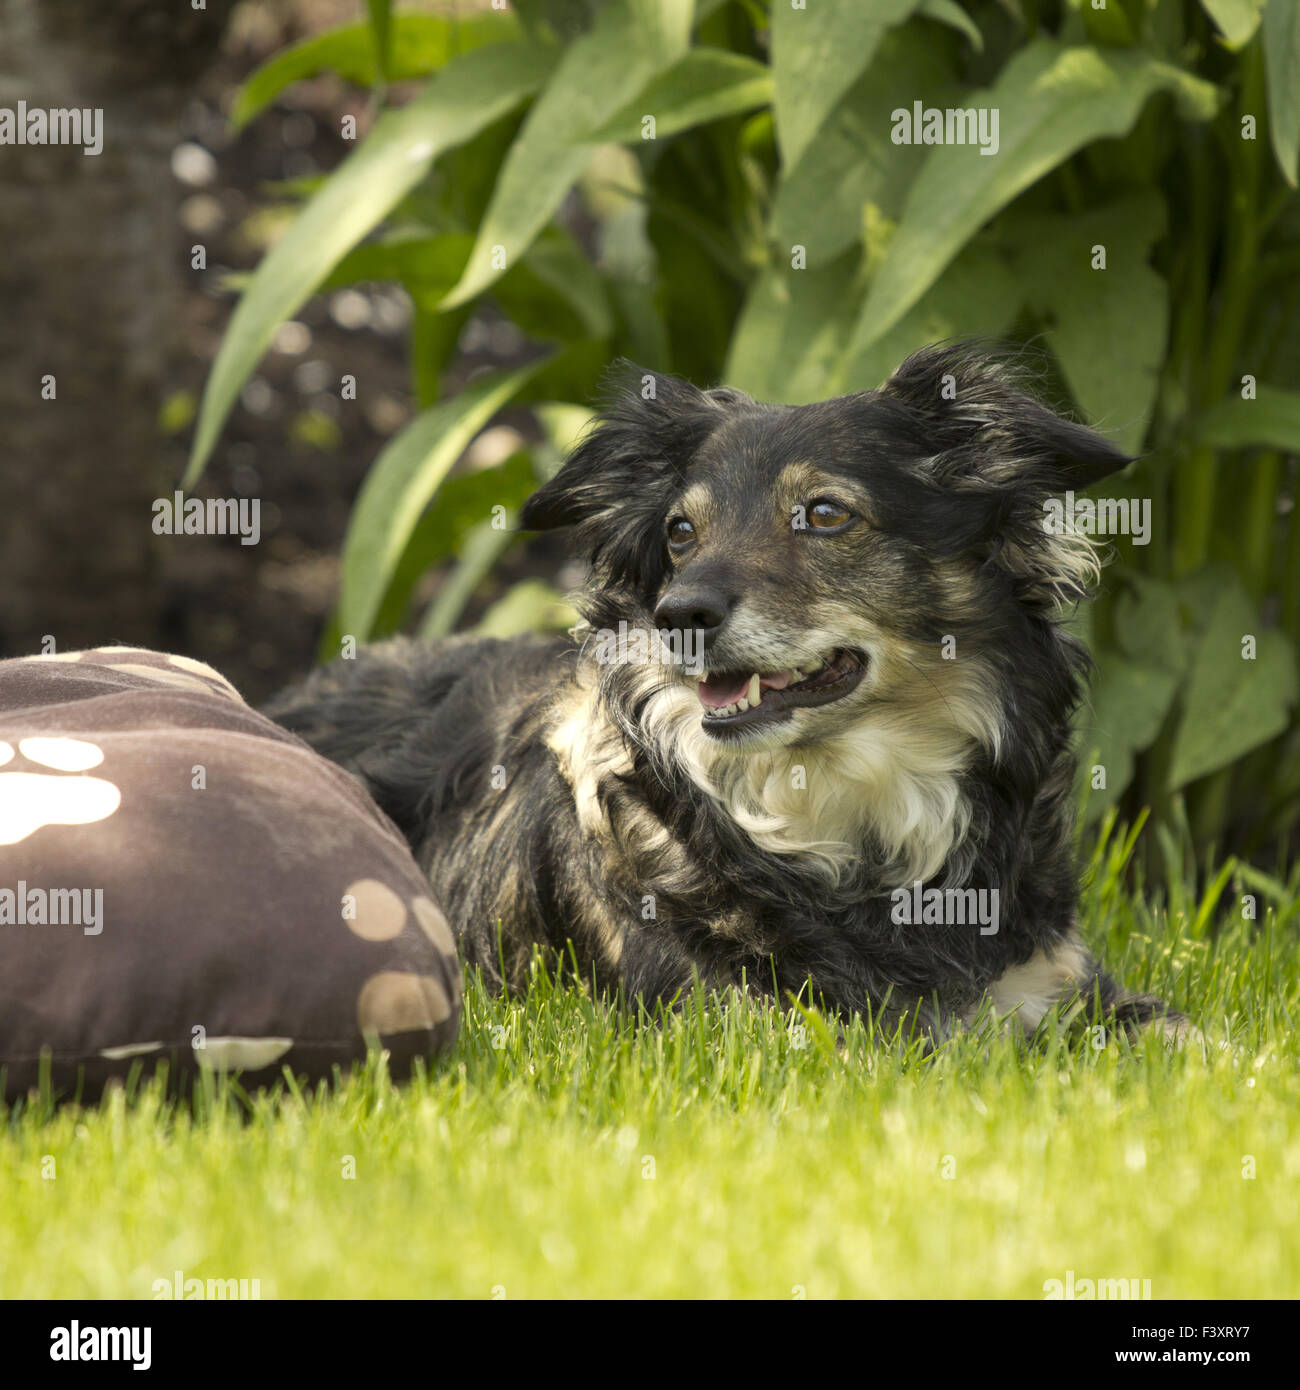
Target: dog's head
x,y
827,557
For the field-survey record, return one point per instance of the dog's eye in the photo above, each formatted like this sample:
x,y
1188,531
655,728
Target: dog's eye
x,y
680,532
827,515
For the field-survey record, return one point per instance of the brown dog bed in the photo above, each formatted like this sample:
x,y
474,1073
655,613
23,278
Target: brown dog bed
x,y
181,879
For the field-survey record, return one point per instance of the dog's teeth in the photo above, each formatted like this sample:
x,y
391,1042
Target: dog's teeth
x,y
796,676
740,705
755,691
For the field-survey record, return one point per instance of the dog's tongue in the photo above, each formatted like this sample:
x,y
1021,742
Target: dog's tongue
x,y
719,690
723,689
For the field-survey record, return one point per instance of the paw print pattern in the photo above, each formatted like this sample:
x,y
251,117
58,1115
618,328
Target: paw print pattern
x,y
31,800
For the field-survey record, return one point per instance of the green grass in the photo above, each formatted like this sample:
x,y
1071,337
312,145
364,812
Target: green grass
x,y
715,1156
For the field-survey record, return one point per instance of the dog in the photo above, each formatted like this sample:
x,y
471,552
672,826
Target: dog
x,y
815,726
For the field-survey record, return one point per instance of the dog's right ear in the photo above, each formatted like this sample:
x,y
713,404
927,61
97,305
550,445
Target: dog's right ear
x,y
616,484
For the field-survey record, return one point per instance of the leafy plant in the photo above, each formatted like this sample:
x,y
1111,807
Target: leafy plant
x,y
713,188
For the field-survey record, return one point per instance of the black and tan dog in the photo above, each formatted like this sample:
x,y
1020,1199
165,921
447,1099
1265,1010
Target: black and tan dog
x,y
816,724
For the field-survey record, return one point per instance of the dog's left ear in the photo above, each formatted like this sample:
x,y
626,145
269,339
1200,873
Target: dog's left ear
x,y
991,434
991,446
615,485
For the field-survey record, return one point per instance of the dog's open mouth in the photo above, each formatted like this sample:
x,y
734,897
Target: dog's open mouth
x,y
735,700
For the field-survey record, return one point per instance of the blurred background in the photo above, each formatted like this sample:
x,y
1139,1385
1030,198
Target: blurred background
x,y
365,263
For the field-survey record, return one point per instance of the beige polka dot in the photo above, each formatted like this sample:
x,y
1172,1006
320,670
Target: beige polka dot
x,y
144,650
200,668
244,1054
118,1054
393,1002
6,752
67,754
60,656
163,676
372,910
434,925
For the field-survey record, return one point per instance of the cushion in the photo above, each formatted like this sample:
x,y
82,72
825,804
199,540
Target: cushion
x,y
182,879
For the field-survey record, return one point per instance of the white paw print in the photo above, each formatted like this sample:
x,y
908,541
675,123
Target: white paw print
x,y
30,800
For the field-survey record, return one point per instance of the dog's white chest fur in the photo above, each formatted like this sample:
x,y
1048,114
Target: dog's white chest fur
x,y
889,784
883,781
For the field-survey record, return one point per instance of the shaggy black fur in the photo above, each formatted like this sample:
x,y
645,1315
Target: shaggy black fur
x,y
949,463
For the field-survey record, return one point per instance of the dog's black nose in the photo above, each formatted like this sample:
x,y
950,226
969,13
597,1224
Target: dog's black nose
x,y
694,607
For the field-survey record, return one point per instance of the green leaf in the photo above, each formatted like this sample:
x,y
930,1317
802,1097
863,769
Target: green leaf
x,y
1232,704
1052,100
467,500
381,27
853,161
1237,20
421,44
630,265
530,606
561,17
399,487
1129,704
1199,591
555,294
1108,327
790,338
791,331
705,8
979,294
434,337
705,85
572,374
1282,58
1270,421
624,48
950,13
818,53
427,266
472,92
483,547
1148,626
460,522
1109,25
461,503
563,423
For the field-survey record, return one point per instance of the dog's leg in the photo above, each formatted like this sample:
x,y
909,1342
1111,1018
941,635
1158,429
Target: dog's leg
x,y
1067,973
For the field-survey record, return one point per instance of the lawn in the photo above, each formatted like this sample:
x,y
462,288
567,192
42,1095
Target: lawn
x,y
731,1152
